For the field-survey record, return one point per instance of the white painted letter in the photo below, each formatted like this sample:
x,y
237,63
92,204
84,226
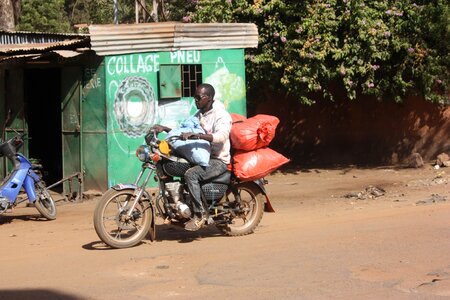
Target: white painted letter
x,y
111,62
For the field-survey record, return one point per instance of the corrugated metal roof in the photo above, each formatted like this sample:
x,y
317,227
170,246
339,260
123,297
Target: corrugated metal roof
x,y
40,47
66,54
18,57
171,36
25,37
16,42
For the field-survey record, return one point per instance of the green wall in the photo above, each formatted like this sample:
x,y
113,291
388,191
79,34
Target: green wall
x,y
133,106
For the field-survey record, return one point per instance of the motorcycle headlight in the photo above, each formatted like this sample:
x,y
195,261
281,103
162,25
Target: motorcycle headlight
x,y
143,153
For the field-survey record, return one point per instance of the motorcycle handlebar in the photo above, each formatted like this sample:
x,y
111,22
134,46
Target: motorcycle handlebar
x,y
10,147
150,136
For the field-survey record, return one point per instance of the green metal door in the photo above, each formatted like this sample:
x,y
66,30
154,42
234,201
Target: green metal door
x,y
13,117
93,115
71,123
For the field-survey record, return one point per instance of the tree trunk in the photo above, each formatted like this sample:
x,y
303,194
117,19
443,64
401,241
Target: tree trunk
x,y
7,17
155,10
17,10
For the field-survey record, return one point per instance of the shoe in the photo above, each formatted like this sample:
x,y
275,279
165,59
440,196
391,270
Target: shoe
x,y
195,223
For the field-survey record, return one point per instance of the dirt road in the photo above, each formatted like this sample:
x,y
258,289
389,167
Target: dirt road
x,y
329,239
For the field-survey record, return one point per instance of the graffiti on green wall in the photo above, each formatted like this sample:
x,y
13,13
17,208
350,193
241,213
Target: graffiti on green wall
x,y
229,87
133,105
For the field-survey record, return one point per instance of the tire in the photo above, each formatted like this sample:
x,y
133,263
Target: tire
x,y
44,202
252,209
112,225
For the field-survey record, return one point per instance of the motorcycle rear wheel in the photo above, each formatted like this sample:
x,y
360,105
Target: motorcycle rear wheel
x,y
44,202
251,210
112,224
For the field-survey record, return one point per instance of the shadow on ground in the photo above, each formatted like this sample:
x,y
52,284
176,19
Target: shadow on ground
x,y
167,233
36,294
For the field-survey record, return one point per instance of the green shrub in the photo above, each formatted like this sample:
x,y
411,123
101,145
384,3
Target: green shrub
x,y
43,16
382,48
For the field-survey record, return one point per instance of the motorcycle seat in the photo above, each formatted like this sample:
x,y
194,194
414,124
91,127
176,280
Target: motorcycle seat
x,y
223,178
178,169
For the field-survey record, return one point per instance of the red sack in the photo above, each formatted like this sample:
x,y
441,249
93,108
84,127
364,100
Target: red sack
x,y
252,165
236,118
253,133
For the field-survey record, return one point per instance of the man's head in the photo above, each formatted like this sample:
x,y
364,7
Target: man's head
x,y
204,97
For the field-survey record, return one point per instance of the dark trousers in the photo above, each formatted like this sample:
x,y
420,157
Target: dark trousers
x,y
197,174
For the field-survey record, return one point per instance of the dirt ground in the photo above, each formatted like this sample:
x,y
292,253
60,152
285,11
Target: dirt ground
x,y
345,233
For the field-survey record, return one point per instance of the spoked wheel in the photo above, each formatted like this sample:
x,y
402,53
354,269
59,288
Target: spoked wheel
x,y
44,202
115,225
248,213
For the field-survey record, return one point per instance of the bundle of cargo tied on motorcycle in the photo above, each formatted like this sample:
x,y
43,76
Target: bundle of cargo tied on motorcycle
x,y
250,137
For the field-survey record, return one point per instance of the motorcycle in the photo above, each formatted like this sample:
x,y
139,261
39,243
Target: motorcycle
x,y
24,175
126,212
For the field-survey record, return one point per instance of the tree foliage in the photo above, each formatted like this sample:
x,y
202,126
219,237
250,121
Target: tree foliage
x,y
101,11
89,11
44,16
383,48
61,15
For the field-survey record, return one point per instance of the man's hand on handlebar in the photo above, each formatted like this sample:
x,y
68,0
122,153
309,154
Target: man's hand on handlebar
x,y
189,136
159,128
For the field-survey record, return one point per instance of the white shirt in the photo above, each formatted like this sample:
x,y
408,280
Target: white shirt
x,y
217,122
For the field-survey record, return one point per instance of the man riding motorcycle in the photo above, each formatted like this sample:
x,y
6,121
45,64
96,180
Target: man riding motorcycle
x,y
216,122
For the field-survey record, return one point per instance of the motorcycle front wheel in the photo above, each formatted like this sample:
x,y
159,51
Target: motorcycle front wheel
x,y
249,211
44,202
113,223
